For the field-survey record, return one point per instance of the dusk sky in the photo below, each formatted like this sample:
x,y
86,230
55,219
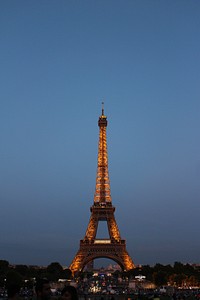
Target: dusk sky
x,y
58,61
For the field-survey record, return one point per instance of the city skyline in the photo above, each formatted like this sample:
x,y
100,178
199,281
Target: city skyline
x,y
59,61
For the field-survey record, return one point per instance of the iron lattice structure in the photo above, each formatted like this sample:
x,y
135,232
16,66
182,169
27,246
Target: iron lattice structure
x,y
102,210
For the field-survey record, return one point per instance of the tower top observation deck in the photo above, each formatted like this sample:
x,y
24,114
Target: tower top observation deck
x,y
102,119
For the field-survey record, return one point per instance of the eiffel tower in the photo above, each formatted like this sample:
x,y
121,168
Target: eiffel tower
x,y
102,210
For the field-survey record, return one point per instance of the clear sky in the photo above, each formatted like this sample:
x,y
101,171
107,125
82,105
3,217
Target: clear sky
x,y
58,61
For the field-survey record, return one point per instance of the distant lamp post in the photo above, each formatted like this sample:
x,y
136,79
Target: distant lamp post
x,y
140,277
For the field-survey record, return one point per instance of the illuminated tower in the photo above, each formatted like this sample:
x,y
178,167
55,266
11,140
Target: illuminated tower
x,y
102,210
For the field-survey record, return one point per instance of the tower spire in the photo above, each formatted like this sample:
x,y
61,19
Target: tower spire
x,y
102,108
102,191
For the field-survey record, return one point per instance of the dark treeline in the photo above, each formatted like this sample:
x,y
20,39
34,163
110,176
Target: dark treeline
x,y
177,275
26,275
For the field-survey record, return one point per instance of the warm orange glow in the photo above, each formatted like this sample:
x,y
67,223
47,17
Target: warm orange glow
x,y
102,191
102,210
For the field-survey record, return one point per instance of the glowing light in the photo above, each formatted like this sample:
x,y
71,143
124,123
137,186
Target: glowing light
x,y
102,241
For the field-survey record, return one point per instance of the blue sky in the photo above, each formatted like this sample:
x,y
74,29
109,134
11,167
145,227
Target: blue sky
x,y
59,60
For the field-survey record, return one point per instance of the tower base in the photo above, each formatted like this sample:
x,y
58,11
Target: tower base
x,y
101,249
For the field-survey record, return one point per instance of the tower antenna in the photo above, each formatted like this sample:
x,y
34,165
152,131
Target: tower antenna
x,y
102,108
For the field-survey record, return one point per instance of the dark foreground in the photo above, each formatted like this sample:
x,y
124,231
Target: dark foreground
x,y
183,295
